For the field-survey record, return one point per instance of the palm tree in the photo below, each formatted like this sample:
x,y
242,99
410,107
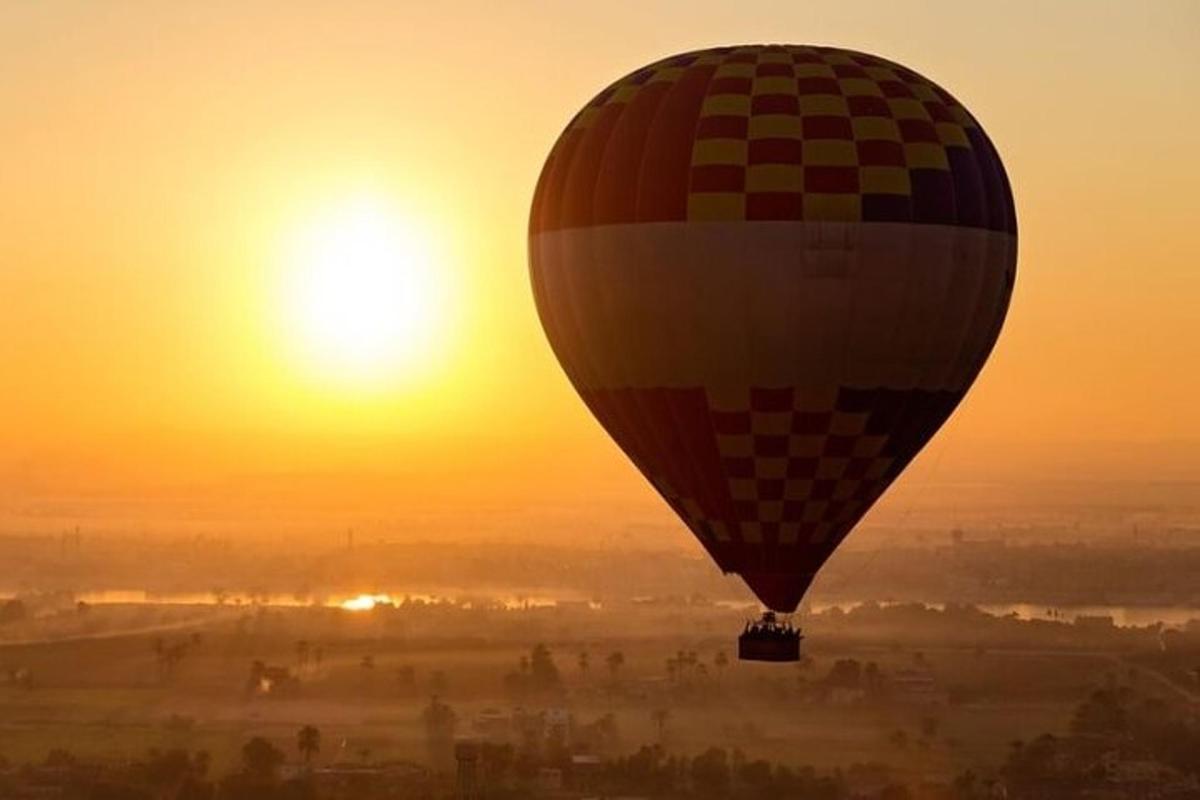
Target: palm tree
x,y
615,661
308,742
660,717
721,661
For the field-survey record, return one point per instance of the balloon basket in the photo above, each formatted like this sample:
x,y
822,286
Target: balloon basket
x,y
769,640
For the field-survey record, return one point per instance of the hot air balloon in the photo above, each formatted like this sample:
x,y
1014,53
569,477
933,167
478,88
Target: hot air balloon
x,y
772,272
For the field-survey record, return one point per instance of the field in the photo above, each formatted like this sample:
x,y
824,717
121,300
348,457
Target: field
x,y
364,678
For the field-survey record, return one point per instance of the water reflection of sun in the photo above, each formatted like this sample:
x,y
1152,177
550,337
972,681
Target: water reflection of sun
x,y
366,602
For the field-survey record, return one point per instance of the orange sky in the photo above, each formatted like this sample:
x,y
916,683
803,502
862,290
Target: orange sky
x,y
156,159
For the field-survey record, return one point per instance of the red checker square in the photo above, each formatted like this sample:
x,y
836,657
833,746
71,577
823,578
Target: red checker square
x,y
917,130
823,489
641,76
895,89
774,151
793,511
739,467
834,508
807,58
857,468
839,445
729,85
827,127
886,208
880,153
802,468
831,180
771,446
775,104
731,423
864,105
762,399
770,531
811,423
849,71
938,112
722,126
741,58
816,85
745,510
774,205
718,178
769,489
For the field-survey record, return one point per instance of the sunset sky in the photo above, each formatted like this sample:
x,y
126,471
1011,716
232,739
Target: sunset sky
x,y
170,174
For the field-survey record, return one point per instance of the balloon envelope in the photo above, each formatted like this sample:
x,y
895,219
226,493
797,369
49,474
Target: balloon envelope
x,y
772,272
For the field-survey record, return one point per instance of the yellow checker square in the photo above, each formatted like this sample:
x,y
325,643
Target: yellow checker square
x,y
951,134
797,488
845,489
774,178
884,180
848,423
770,423
880,73
789,532
719,151
859,87
734,70
963,117
751,532
868,446
691,508
774,84
770,510
805,446
878,468
831,467
833,207
774,126
624,93
814,71
814,511
924,91
743,489
735,445
823,105
720,531
907,108
726,105
666,75
810,399
820,533
868,128
770,468
716,206
586,117
828,153
925,155
709,58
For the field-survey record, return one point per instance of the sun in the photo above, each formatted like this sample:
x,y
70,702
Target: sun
x,y
365,300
